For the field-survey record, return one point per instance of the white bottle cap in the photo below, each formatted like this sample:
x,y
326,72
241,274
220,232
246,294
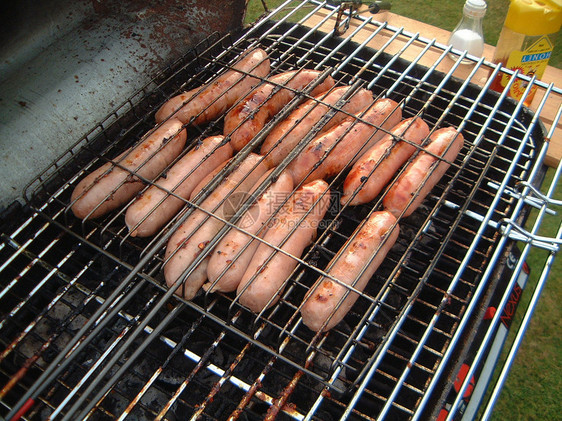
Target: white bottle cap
x,y
475,8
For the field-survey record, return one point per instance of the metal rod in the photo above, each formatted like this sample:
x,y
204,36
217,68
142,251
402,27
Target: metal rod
x,y
486,274
526,317
503,301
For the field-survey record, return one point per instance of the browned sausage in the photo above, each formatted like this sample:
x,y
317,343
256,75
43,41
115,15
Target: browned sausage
x,y
289,132
329,301
155,207
293,230
212,100
379,164
116,182
413,185
249,116
347,139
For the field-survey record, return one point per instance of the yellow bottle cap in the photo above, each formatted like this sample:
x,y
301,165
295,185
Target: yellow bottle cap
x,y
534,17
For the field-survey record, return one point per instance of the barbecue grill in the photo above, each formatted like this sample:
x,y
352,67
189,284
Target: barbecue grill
x,y
90,330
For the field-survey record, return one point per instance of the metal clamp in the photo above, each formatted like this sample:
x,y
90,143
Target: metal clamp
x,y
533,198
518,233
352,7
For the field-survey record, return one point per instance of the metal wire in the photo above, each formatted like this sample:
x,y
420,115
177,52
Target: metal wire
x,y
391,353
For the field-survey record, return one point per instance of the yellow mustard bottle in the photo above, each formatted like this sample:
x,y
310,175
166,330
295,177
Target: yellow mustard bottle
x,y
526,42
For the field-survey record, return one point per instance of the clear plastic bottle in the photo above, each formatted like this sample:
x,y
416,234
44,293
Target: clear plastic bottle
x,y
526,42
468,34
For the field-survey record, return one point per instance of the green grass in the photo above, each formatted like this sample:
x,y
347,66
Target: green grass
x,y
533,384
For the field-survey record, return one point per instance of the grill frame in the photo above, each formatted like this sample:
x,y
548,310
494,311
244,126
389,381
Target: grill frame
x,y
181,305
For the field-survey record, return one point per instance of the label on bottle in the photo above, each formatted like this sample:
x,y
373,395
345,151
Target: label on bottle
x,y
532,61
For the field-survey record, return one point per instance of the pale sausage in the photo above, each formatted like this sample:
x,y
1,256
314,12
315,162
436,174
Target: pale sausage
x,y
229,254
329,301
156,206
117,181
203,183
187,242
294,229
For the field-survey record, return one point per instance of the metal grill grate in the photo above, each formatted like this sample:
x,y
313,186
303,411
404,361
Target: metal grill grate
x,y
90,290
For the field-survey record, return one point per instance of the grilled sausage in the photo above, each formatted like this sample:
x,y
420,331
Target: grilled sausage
x,y
347,139
116,182
408,192
329,301
378,165
251,114
185,245
225,255
210,101
292,231
289,132
155,207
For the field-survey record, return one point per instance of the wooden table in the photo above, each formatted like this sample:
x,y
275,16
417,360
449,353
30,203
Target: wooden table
x,y
441,36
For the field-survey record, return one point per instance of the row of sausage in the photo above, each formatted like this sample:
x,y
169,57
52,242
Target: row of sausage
x,y
290,209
